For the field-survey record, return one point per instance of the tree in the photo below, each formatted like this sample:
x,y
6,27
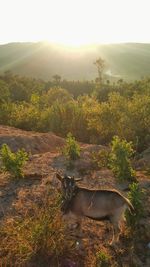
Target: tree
x,y
100,64
57,94
18,91
4,92
56,78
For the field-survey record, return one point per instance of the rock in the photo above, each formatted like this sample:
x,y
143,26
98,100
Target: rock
x,y
144,161
68,263
147,262
144,184
136,261
32,142
123,186
148,245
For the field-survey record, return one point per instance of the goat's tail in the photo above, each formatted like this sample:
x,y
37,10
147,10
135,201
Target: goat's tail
x,y
130,206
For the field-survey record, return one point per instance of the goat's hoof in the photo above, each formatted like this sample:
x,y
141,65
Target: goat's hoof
x,y
113,244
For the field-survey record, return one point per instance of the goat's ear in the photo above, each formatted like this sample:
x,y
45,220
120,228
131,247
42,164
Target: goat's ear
x,y
59,177
78,179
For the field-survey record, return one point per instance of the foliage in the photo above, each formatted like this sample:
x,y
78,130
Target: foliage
x,y
71,149
121,152
100,64
102,259
135,196
18,91
100,158
55,94
6,110
37,236
92,112
4,92
13,162
140,119
57,78
25,116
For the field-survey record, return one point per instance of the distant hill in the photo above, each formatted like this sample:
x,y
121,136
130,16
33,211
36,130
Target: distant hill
x,y
43,60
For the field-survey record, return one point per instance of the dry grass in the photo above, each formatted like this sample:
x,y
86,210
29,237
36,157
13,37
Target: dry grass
x,y
38,235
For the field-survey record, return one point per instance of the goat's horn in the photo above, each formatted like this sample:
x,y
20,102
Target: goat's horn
x,y
59,177
78,179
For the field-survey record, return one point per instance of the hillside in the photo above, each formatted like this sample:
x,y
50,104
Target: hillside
x,y
32,142
43,60
24,236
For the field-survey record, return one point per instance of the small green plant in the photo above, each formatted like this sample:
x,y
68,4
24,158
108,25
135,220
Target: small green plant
x,y
120,163
13,162
39,235
71,149
100,159
135,196
102,259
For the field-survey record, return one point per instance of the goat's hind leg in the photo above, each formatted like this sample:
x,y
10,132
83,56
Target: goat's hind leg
x,y
116,230
117,220
122,224
116,233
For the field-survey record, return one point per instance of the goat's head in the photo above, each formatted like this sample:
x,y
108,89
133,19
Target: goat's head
x,y
68,184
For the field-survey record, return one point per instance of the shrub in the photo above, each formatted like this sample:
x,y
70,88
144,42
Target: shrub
x,y
13,162
25,116
71,149
100,159
121,152
102,259
38,237
135,196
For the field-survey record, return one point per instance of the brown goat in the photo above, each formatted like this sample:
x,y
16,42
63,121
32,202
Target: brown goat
x,y
94,204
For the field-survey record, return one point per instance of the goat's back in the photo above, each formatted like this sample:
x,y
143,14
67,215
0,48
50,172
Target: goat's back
x,y
97,203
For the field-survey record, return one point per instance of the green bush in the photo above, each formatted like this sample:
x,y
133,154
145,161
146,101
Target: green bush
x,y
71,149
100,159
121,152
102,259
13,162
135,196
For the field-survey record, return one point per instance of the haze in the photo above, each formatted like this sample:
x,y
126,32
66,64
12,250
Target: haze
x,y
74,22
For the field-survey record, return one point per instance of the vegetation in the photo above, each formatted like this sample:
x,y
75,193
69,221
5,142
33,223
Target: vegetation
x,y
39,235
13,162
101,158
121,152
71,149
136,197
102,259
100,64
92,112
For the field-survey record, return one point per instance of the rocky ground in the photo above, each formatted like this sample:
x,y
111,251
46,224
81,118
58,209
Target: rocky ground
x,y
44,161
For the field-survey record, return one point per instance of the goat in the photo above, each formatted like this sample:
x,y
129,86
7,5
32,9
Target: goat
x,y
94,204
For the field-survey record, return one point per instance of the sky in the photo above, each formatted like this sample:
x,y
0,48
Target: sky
x,y
75,22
